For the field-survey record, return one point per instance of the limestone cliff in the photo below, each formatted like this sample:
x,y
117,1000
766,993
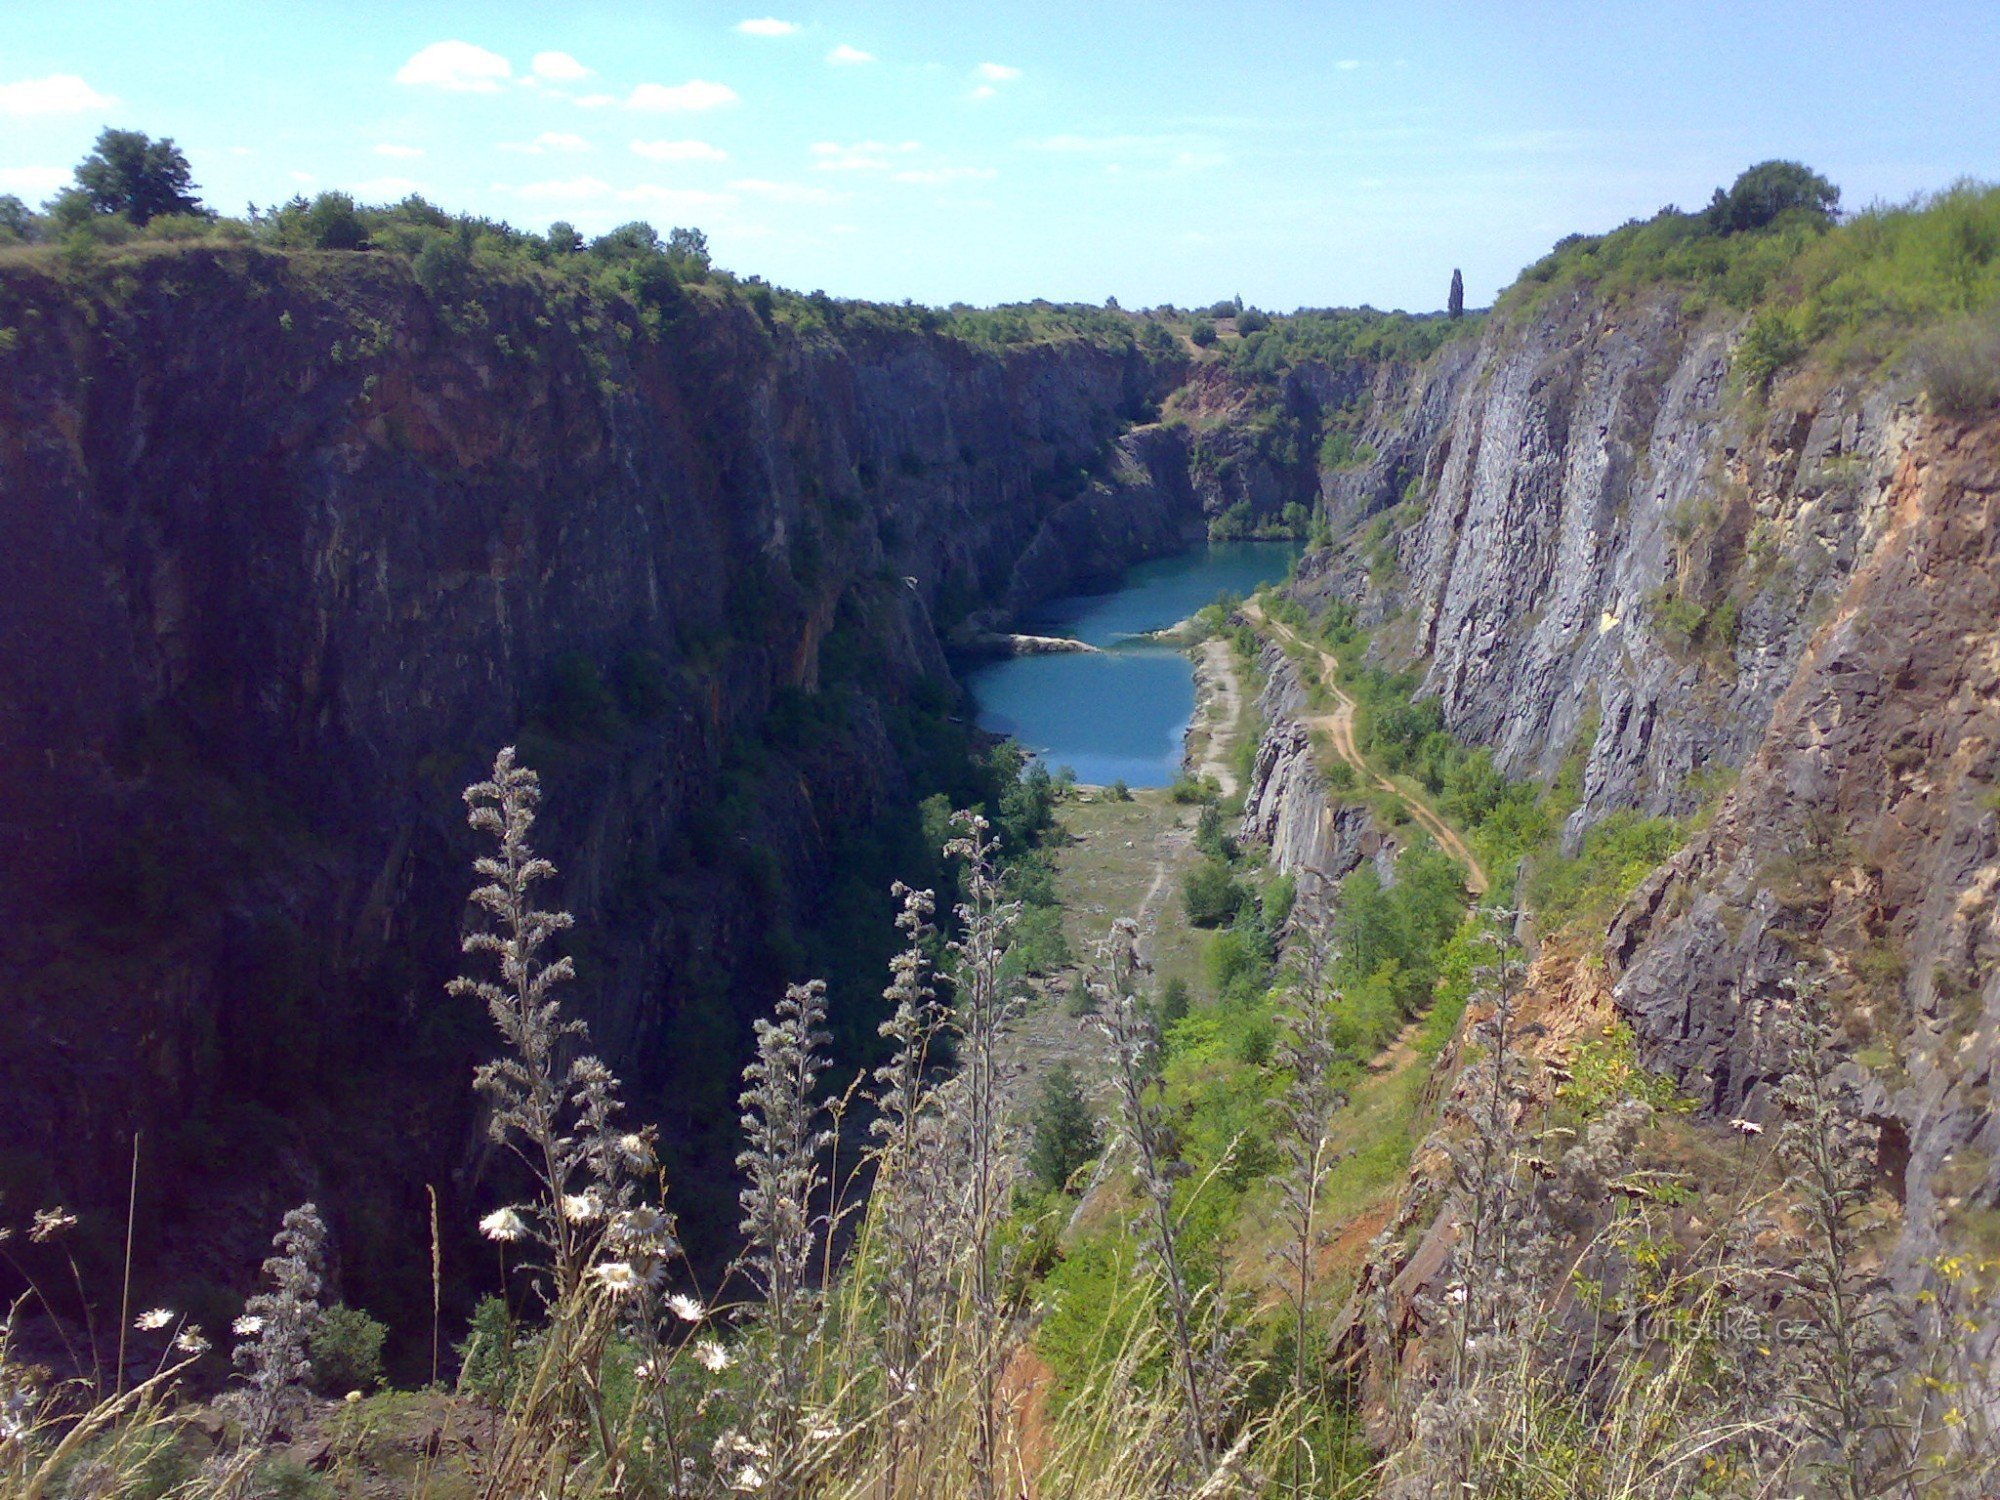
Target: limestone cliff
x,y
289,546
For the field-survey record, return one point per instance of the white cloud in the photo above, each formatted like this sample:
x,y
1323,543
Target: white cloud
x,y
400,153
862,156
559,67
596,101
386,189
984,91
58,94
547,142
940,176
767,26
38,181
845,56
567,190
785,192
678,151
304,177
997,72
697,93
458,66
1348,64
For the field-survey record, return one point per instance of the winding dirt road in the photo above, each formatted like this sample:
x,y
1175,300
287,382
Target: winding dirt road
x,y
1339,726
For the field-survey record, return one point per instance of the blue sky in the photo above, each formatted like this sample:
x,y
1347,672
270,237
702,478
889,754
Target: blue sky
x,y
1296,154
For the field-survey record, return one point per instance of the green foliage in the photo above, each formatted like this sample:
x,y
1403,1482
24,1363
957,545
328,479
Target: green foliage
x,y
1203,334
1173,1003
1959,364
132,175
1118,791
1064,1135
1211,893
493,1357
1250,321
347,1351
1767,192
331,221
1615,855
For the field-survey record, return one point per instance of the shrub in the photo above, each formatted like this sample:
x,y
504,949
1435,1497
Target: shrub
x,y
1764,192
1203,334
1173,1003
1065,1134
1251,321
347,1351
1212,894
1960,366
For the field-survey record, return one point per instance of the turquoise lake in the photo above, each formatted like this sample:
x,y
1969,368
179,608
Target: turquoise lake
x,y
1120,713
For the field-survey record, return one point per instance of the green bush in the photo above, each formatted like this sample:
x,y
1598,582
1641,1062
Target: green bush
x,y
1212,894
1065,1134
347,1351
1959,365
1203,334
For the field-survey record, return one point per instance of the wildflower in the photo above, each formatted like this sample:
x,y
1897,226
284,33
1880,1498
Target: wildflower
x,y
686,1308
247,1327
616,1276
353,1398
189,1341
712,1357
1746,1127
637,1151
149,1322
642,1226
50,1222
747,1478
581,1208
504,1225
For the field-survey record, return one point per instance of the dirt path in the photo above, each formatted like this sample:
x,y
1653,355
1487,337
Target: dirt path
x,y
1339,726
1223,707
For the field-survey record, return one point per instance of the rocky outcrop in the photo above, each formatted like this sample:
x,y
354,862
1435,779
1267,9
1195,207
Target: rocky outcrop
x,y
1865,830
1288,807
1605,547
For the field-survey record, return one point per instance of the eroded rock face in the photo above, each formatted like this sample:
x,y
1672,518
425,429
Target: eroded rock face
x,y
1288,807
1865,826
287,550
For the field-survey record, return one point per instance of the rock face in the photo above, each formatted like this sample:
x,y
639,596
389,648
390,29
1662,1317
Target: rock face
x,y
1288,807
287,549
1603,549
1594,542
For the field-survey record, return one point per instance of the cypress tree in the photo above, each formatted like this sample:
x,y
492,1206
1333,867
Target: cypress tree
x,y
1455,304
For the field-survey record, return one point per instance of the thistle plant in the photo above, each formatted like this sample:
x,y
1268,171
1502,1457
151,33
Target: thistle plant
x,y
982,1005
1848,1349
781,1160
1307,1107
554,1106
1135,1060
275,1333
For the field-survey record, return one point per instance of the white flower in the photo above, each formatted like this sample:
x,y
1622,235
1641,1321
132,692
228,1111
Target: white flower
x,y
637,1151
581,1208
504,1225
686,1308
616,1276
747,1478
247,1327
148,1322
712,1357
190,1341
1746,1127
50,1222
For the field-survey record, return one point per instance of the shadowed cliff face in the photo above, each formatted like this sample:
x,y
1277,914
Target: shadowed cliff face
x,y
287,549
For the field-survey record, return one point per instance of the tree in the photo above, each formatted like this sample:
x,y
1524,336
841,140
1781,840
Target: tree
x,y
563,238
1065,1132
15,219
129,173
1455,303
333,223
1203,334
1767,190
